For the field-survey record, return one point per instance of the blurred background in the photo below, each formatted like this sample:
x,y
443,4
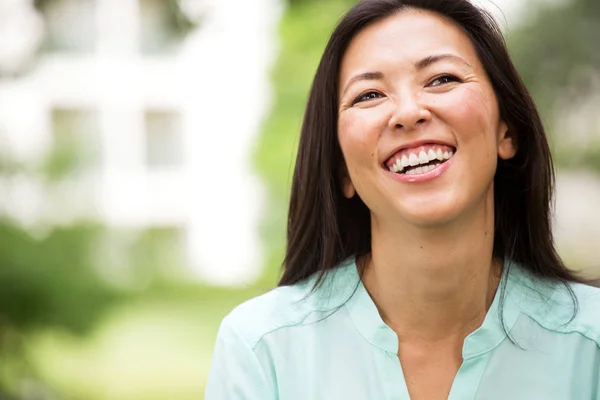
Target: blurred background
x,y
146,149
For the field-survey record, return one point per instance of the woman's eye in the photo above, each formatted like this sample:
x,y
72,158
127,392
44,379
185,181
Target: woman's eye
x,y
444,79
367,96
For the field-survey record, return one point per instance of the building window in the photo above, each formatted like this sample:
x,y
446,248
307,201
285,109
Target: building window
x,y
163,139
76,141
162,26
70,25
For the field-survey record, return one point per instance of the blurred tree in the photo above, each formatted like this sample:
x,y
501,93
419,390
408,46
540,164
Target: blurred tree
x,y
557,53
301,49
50,282
47,281
555,50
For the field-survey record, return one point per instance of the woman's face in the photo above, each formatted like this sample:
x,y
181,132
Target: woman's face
x,y
419,122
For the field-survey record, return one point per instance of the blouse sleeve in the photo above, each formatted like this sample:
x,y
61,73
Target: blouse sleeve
x,y
235,372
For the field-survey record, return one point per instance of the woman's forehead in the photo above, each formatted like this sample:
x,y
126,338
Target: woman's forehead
x,y
406,38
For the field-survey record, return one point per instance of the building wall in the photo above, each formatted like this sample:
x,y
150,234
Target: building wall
x,y
164,136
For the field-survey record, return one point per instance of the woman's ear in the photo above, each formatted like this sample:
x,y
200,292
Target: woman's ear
x,y
507,142
346,183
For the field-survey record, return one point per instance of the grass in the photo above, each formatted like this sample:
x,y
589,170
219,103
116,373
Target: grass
x,y
157,347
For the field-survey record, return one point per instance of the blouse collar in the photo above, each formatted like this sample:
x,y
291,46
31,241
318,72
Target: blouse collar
x,y
491,333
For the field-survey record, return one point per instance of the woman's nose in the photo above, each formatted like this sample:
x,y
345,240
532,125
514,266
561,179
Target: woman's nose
x,y
408,113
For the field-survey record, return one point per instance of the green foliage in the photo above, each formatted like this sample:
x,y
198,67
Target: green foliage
x,y
47,282
304,31
557,54
50,282
48,276
577,159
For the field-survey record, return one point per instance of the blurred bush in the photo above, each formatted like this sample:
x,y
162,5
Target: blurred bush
x,y
49,280
557,53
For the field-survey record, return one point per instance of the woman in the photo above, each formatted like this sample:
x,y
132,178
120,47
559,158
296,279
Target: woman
x,y
420,262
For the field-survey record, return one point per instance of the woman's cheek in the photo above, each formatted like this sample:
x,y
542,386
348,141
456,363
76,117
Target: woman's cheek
x,y
357,136
468,111
456,105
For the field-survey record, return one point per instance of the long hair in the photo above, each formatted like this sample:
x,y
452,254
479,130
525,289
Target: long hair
x,y
325,228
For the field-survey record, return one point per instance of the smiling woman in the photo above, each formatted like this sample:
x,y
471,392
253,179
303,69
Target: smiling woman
x,y
420,260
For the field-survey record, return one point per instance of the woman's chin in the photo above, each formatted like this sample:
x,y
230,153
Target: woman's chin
x,y
432,216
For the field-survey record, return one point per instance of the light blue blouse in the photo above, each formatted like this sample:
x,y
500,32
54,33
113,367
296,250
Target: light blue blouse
x,y
332,344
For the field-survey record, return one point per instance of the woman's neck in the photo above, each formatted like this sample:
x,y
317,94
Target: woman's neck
x,y
432,285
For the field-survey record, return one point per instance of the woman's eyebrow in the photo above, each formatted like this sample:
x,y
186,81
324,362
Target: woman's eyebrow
x,y
365,76
427,61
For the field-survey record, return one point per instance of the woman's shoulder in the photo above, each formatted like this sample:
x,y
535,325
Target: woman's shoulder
x,y
279,307
587,317
573,308
287,306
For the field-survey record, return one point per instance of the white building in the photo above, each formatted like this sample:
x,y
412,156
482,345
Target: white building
x,y
164,131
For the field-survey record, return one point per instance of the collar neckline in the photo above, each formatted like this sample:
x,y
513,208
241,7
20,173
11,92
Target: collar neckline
x,y
491,333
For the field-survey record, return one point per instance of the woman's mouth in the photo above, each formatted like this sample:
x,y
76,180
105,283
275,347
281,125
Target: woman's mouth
x,y
419,160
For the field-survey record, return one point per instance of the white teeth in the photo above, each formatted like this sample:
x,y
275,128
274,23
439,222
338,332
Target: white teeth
x,y
405,162
431,155
422,170
398,165
413,160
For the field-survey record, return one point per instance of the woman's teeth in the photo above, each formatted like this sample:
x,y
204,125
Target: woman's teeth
x,y
406,163
422,170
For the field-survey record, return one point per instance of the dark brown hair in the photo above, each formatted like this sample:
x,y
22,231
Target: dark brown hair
x,y
325,228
